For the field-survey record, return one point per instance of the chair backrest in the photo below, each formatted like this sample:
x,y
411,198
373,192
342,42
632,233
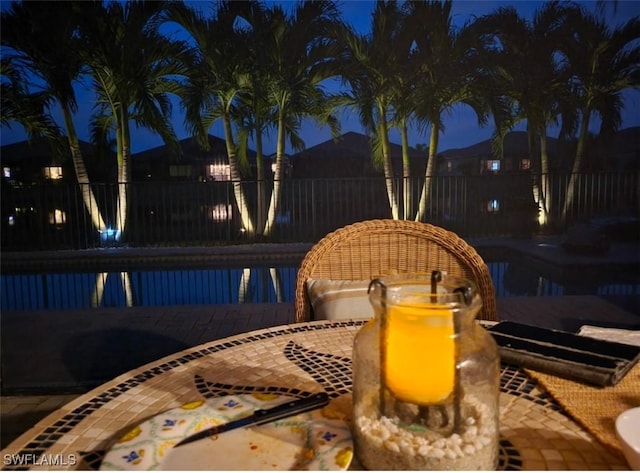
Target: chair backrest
x,y
364,250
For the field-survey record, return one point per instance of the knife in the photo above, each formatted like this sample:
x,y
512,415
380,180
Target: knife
x,y
262,416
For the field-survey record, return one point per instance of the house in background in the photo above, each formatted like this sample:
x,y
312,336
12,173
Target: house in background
x,y
345,182
480,159
31,198
620,153
192,164
172,207
350,155
270,165
488,196
35,187
33,162
338,184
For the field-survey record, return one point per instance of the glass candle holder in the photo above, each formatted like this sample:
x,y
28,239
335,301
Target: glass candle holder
x,y
425,378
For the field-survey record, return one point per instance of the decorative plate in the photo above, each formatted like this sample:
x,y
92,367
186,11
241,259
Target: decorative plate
x,y
315,440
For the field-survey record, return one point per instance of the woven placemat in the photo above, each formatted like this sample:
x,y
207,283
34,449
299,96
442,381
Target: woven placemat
x,y
595,408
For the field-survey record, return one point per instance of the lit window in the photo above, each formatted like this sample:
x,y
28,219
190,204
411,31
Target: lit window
x,y
219,172
6,172
493,165
286,166
525,164
53,172
493,205
219,212
57,217
449,166
12,220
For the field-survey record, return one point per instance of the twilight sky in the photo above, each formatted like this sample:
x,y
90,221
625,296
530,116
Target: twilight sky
x,y
461,131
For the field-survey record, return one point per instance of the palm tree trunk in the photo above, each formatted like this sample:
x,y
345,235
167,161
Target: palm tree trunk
x,y
120,176
544,180
261,187
245,281
577,165
124,163
277,284
123,177
428,174
81,173
388,168
538,195
277,178
406,173
98,289
127,288
238,192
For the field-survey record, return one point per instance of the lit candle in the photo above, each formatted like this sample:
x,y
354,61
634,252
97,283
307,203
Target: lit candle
x,y
420,353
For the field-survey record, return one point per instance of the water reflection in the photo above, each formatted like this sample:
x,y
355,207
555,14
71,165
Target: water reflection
x,y
522,281
146,288
236,285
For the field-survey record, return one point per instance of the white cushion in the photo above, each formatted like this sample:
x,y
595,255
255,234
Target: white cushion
x,y
339,299
630,337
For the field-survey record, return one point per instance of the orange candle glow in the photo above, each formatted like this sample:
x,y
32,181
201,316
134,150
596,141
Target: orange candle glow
x,y
420,353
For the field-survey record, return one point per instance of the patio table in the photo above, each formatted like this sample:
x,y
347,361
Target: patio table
x,y
536,433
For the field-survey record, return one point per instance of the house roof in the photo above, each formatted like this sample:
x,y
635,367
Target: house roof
x,y
625,141
515,144
351,144
191,151
37,151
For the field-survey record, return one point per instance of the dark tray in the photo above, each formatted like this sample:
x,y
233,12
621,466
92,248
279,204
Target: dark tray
x,y
564,354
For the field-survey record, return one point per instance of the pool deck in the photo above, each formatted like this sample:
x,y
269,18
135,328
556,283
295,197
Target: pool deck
x,y
543,248
49,357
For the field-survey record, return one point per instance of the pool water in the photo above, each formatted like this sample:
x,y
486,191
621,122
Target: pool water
x,y
60,291
145,288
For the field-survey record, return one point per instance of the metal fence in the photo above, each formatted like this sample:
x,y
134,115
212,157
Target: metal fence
x,y
49,217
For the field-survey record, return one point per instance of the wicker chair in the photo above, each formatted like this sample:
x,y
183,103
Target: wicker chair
x,y
363,250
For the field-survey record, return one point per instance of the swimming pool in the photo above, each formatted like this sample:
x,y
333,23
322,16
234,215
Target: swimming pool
x,y
154,288
145,288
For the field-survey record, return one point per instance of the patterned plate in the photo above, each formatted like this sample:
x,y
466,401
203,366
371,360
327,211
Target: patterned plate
x,y
316,440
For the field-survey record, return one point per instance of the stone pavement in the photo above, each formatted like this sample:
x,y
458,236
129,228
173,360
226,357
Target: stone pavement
x,y
66,351
19,413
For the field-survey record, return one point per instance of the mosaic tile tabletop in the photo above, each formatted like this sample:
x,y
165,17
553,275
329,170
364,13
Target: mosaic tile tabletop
x,y
296,360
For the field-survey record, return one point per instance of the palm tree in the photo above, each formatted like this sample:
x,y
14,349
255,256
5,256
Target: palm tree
x,y
368,67
134,70
256,113
405,76
218,75
41,43
603,63
447,68
532,76
491,85
301,52
19,105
